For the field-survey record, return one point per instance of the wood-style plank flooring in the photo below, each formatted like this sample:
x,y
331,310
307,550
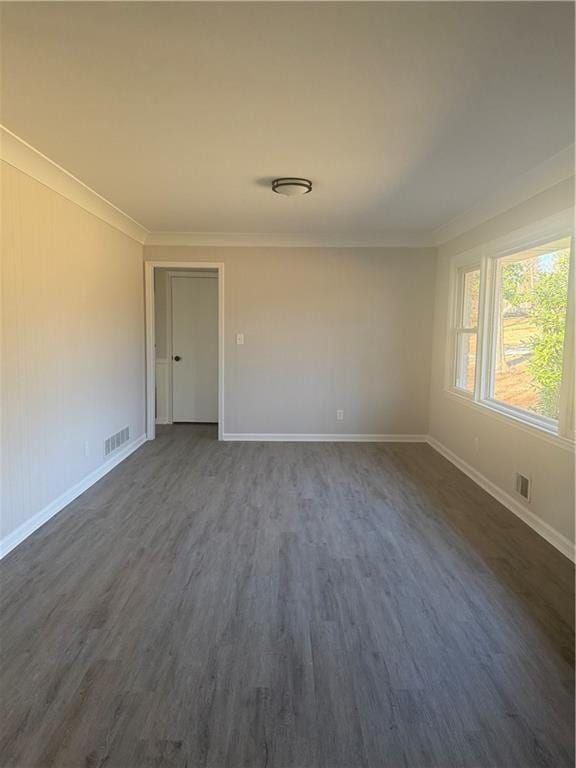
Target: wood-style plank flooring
x,y
229,605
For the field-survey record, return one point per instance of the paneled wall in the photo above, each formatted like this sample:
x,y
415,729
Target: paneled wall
x,y
72,344
498,448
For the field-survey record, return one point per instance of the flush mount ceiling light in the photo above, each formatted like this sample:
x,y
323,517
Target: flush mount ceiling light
x,y
291,186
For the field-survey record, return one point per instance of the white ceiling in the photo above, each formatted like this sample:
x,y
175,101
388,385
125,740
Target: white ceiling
x,y
404,115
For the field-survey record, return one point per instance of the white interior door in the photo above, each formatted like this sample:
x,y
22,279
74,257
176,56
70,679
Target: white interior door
x,y
195,348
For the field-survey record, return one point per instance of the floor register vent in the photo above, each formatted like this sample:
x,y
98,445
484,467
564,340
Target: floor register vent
x,y
523,486
114,442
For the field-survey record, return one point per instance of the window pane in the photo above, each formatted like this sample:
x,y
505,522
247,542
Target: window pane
x,y
466,361
470,299
530,324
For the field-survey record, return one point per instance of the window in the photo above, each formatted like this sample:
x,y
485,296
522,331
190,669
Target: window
x,y
510,350
467,328
529,323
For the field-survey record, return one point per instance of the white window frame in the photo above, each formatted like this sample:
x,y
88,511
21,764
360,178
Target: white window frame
x,y
487,257
460,330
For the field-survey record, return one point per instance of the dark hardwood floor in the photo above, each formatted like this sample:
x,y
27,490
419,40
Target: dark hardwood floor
x,y
289,605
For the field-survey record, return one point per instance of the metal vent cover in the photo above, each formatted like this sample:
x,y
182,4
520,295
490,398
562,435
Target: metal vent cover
x,y
114,442
523,486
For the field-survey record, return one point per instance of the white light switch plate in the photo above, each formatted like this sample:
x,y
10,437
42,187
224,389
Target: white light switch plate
x,y
239,338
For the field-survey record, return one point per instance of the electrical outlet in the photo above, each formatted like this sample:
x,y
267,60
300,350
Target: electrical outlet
x,y
86,448
339,415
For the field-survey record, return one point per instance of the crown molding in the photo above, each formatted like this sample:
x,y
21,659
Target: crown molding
x,y
553,171
295,240
21,155
18,153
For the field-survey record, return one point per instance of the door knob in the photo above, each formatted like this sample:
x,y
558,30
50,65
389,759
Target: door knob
x,y
177,357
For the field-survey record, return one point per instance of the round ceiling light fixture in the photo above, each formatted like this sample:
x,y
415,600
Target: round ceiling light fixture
x,y
291,186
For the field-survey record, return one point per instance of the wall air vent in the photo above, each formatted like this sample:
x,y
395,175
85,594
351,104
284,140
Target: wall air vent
x,y
115,441
523,486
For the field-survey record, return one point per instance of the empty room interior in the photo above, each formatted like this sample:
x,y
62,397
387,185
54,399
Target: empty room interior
x,y
287,384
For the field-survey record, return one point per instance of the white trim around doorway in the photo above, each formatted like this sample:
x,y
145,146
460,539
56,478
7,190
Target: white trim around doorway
x,y
149,267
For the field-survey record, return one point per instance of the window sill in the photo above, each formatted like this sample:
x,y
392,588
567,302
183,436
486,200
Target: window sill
x,y
511,419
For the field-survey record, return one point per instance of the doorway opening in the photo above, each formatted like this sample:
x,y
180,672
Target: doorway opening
x,y
184,344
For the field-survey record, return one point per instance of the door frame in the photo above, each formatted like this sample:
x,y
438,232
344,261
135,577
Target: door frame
x,y
149,308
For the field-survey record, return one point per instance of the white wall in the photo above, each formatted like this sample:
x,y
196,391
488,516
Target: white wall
x,y
504,448
72,344
325,328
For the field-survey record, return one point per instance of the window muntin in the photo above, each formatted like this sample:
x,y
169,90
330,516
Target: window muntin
x,y
467,329
528,321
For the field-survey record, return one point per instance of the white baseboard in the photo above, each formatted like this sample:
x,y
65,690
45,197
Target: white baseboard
x,y
23,531
293,437
558,540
